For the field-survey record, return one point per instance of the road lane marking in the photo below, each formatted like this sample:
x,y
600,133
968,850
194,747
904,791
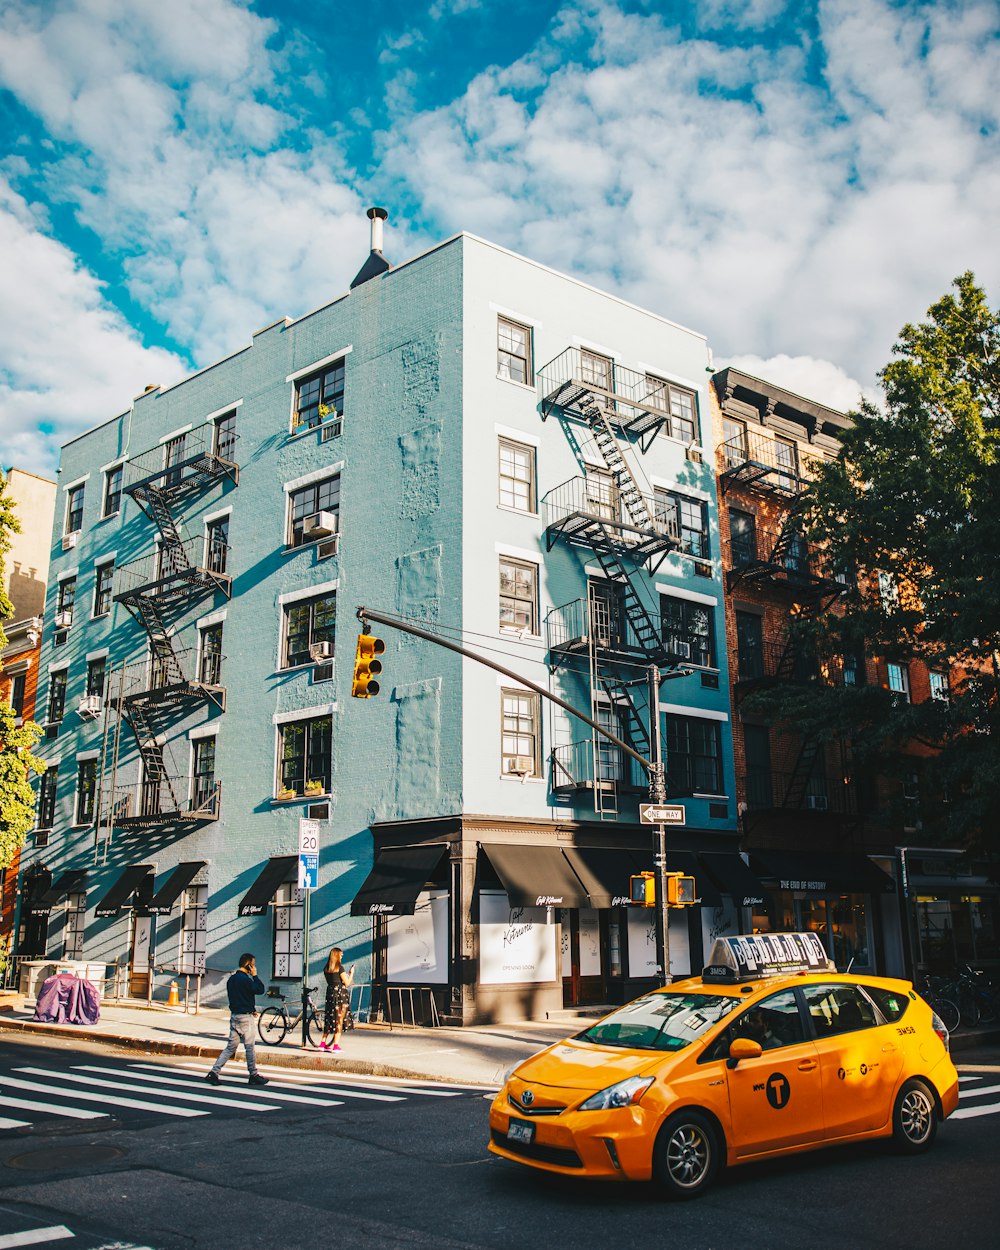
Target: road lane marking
x,y
36,1236
345,1093
74,1113
969,1113
383,1083
82,1095
178,1083
984,1089
13,1123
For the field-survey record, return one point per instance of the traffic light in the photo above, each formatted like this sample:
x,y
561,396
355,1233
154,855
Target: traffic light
x,y
680,890
366,666
643,890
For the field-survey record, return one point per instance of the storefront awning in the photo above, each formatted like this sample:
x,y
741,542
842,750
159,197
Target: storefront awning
x,y
821,873
119,896
274,873
397,877
537,876
604,871
730,873
174,886
71,882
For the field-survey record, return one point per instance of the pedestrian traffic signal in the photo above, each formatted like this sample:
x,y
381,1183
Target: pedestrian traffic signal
x,y
680,890
366,666
643,890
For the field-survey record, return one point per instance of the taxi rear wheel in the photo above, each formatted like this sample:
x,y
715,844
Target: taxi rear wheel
x,y
914,1118
686,1155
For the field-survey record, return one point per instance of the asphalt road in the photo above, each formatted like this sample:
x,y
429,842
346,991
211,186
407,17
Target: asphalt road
x,y
365,1162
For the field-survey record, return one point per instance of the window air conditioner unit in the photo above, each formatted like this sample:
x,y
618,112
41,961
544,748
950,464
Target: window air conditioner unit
x,y
521,765
320,525
680,648
64,618
321,652
90,707
817,802
70,540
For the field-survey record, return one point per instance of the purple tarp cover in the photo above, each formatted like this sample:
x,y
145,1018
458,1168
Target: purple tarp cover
x,y
65,998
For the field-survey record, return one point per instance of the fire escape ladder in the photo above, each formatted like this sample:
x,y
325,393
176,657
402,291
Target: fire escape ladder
x,y
606,774
136,711
631,497
154,503
630,715
166,666
798,781
644,628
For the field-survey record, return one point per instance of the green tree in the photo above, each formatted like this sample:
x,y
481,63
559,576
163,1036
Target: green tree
x,y
911,508
17,799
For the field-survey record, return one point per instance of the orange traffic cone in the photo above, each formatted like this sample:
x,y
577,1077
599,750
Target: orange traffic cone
x,y
173,998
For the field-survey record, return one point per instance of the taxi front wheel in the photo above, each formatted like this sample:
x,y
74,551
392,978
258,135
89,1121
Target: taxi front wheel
x,y
686,1155
914,1118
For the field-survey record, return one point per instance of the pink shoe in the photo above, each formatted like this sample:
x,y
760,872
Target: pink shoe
x,y
333,1047
323,1046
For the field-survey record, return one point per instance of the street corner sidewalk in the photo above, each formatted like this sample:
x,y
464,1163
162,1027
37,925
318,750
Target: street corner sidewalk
x,y
469,1056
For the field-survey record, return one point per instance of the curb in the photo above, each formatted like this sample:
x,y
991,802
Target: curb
x,y
265,1059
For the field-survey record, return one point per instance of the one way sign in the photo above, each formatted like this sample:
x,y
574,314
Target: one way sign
x,y
661,814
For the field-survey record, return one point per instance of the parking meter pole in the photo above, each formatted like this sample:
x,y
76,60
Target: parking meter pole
x,y
658,795
305,967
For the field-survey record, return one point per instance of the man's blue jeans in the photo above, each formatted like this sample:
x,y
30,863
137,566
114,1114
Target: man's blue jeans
x,y
241,1029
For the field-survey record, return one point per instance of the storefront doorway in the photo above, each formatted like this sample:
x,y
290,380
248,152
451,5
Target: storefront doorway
x,y
583,974
842,922
140,944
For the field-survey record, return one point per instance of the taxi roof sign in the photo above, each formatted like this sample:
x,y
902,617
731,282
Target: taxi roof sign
x,y
750,956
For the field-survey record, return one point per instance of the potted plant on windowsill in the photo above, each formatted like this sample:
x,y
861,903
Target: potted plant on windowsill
x,y
284,793
314,787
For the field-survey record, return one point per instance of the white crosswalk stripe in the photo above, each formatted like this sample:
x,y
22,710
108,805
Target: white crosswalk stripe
x,y
36,1236
28,1104
346,1093
176,1084
106,1099
972,1088
401,1086
13,1123
185,1094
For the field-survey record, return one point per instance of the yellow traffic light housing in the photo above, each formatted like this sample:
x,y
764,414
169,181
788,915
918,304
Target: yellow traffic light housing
x,y
680,890
366,666
642,890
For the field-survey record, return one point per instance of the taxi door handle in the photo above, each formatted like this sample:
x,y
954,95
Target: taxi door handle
x,y
808,1065
888,1048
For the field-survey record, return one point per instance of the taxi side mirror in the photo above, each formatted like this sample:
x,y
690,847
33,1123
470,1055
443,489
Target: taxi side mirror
x,y
743,1048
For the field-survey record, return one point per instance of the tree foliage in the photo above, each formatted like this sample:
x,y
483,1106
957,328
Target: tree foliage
x,y
914,495
9,525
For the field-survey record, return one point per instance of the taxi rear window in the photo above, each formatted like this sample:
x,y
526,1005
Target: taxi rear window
x,y
891,1004
660,1021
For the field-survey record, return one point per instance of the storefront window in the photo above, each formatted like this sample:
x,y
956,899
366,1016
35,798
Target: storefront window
x,y
958,929
841,920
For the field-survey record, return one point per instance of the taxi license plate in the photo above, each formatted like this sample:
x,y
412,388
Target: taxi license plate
x,y
520,1130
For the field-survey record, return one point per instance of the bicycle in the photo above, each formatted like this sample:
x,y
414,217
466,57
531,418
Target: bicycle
x,y
947,1011
274,1023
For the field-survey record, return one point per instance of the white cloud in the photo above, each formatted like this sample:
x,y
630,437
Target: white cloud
x,y
818,380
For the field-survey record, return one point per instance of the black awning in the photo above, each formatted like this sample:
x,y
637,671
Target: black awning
x,y
174,886
821,873
119,896
397,877
274,873
604,871
730,873
71,882
536,876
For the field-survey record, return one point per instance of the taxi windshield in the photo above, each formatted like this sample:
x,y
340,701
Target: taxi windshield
x,y
660,1021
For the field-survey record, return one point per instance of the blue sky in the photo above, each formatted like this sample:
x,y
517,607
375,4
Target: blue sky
x,y
794,180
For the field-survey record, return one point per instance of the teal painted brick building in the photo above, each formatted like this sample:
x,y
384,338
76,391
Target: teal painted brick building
x,y
469,441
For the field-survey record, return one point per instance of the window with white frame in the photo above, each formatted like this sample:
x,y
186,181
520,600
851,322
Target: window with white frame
x,y
603,498
104,576
521,733
217,544
319,398
514,351
86,787
692,520
306,505
309,622
517,476
687,630
203,773
65,602
18,688
518,595
899,681
112,491
224,437
194,926
76,916
96,674
74,509
940,687
676,401
210,655
786,457
57,697
734,442
596,369
694,754
47,797
289,926
304,757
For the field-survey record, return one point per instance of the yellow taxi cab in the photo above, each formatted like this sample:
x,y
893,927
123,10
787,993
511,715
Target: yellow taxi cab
x,y
769,1052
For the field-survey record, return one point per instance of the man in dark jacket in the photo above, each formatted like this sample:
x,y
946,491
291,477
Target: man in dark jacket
x,y
242,987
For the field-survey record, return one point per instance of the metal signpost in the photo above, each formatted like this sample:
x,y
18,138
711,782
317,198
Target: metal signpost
x,y
308,881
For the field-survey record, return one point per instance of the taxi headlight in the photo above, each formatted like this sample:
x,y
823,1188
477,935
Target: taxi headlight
x,y
623,1094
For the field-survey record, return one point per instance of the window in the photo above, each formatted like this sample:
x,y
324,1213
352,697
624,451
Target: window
x,y
64,603
320,497
47,797
289,923
174,452
304,762
74,509
838,1009
694,754
217,545
911,785
320,398
224,440
786,457
86,786
679,403
774,1022
112,491
203,773
307,622
210,655
518,595
104,576
749,646
940,688
610,762
57,697
595,369
514,352
734,438
521,733
96,670
517,476
194,925
17,688
692,519
899,681
742,537
687,630
854,667
76,915
602,495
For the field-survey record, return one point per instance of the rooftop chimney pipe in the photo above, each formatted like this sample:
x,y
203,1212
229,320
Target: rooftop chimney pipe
x,y
376,216
376,264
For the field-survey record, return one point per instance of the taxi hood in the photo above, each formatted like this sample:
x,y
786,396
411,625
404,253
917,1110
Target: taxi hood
x,y
575,1064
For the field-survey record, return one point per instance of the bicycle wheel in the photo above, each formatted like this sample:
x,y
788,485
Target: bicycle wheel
x,y
315,1027
948,1011
272,1025
968,1005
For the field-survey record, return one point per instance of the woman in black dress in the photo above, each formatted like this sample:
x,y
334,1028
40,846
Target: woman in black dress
x,y
338,997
